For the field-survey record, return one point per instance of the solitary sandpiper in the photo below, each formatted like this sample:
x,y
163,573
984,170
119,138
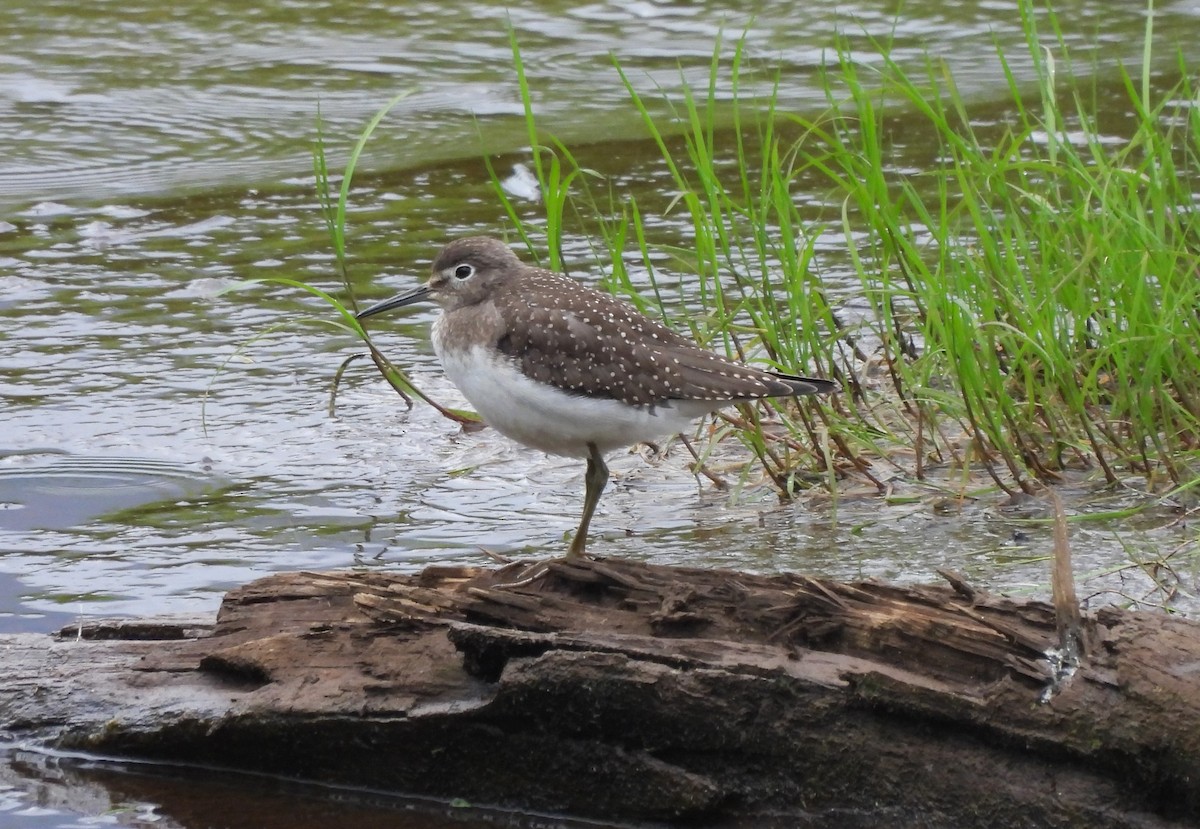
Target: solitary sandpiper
x,y
572,371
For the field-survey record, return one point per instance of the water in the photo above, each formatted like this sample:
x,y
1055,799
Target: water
x,y
40,790
162,440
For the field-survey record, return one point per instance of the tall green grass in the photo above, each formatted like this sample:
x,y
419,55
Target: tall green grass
x,y
1035,293
736,229
1050,274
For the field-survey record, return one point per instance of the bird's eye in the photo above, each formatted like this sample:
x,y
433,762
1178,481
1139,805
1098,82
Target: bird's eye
x,y
463,271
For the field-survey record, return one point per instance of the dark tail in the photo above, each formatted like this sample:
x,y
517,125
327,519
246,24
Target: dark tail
x,y
807,385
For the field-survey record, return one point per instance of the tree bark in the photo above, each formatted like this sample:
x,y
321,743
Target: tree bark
x,y
615,689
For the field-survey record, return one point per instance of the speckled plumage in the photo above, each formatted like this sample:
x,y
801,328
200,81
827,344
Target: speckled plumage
x,y
584,341
561,367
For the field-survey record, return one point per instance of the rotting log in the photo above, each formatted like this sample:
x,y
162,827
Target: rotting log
x,y
617,689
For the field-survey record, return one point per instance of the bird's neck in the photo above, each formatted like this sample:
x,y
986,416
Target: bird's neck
x,y
461,329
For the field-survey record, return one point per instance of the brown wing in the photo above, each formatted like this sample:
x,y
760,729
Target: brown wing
x,y
636,360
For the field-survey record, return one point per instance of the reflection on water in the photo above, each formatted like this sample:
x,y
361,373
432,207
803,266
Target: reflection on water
x,y
40,790
117,100
165,440
16,615
69,491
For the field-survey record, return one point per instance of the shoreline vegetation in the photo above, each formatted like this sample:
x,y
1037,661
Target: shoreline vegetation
x,y
1033,296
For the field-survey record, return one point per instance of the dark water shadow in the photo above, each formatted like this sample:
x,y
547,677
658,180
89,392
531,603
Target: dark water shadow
x,y
40,790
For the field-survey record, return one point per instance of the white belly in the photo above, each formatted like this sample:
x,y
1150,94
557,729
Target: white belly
x,y
550,419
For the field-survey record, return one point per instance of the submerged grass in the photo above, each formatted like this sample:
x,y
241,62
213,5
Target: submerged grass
x,y
1034,293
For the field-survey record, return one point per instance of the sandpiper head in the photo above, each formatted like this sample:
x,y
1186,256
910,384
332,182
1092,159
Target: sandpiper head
x,y
468,270
464,273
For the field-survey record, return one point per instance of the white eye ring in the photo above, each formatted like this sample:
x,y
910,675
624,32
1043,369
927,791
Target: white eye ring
x,y
464,271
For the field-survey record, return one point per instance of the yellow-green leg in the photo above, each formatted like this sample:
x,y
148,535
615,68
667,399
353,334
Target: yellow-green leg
x,y
595,480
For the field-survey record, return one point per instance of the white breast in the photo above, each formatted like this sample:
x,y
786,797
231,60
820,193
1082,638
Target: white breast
x,y
548,418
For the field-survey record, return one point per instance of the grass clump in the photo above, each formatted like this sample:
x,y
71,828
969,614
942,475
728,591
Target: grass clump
x,y
1048,274
1034,293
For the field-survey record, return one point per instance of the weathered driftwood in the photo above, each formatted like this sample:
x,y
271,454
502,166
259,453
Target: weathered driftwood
x,y
623,690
